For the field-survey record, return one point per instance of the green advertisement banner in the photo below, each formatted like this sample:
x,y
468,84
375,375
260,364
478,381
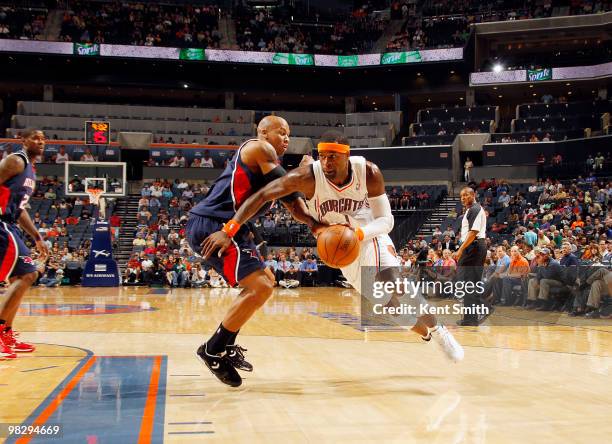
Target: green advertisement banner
x,y
282,58
394,58
348,61
192,54
537,75
86,49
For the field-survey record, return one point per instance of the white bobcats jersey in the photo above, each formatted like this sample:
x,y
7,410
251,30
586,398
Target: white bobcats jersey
x,y
341,205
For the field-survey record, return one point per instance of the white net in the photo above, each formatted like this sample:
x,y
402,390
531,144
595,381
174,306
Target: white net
x,y
95,198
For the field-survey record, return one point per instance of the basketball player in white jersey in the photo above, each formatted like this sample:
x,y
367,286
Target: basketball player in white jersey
x,y
344,189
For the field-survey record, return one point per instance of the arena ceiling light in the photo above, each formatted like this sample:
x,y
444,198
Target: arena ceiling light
x,y
498,68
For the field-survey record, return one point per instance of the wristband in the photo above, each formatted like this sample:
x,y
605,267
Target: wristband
x,y
359,233
231,228
38,237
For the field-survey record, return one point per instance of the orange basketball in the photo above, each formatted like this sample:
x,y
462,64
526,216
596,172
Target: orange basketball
x,y
338,246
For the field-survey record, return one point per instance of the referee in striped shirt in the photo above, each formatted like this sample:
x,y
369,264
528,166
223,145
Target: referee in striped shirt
x,y
471,255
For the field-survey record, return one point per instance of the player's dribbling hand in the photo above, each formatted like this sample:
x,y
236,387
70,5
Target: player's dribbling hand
x,y
216,241
317,228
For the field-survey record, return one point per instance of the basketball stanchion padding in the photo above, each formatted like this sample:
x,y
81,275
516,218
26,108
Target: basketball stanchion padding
x,y
101,270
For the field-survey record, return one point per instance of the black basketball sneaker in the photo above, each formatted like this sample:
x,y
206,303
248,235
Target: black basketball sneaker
x,y
220,366
235,355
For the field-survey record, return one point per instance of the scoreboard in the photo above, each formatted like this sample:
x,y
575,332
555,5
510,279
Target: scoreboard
x,y
97,133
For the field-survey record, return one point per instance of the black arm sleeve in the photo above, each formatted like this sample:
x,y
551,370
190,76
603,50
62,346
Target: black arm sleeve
x,y
277,172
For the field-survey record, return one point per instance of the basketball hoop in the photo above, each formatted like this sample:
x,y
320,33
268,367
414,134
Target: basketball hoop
x,y
94,195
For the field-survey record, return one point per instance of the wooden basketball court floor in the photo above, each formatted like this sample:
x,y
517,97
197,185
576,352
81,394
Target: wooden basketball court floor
x,y
117,365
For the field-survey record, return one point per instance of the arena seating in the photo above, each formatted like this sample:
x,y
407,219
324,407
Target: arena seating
x,y
298,30
194,125
275,225
442,24
281,30
548,122
23,23
149,24
575,57
53,209
542,136
66,224
555,123
101,153
167,156
502,10
413,197
550,207
428,140
447,122
458,114
65,120
440,32
565,120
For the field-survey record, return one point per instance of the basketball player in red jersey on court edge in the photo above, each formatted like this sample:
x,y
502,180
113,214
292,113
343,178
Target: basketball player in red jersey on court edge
x,y
255,164
17,183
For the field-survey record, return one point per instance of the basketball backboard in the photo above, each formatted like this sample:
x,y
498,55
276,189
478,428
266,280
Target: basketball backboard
x,y
108,176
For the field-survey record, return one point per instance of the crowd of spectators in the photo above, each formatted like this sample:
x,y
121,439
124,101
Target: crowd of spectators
x,y
549,246
162,256
438,24
273,30
593,54
420,33
159,237
61,218
180,161
408,199
547,222
142,24
446,23
22,23
206,141
503,10
514,138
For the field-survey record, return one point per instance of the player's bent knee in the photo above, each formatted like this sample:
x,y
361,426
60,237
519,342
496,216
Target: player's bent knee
x,y
261,292
259,288
265,288
30,278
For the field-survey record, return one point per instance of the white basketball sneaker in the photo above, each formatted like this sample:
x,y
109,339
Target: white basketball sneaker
x,y
448,344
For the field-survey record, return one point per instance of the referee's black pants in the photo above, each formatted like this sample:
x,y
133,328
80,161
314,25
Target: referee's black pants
x,y
469,269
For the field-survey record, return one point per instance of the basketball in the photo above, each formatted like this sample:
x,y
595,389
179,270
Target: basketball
x,y
338,246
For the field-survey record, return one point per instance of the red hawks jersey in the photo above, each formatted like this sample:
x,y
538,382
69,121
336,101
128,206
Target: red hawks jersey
x,y
339,205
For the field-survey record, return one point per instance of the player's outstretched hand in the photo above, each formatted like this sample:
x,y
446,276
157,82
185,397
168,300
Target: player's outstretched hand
x,y
216,241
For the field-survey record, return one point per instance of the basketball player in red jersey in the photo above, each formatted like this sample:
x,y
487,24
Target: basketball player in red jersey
x,y
339,187
254,165
17,183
